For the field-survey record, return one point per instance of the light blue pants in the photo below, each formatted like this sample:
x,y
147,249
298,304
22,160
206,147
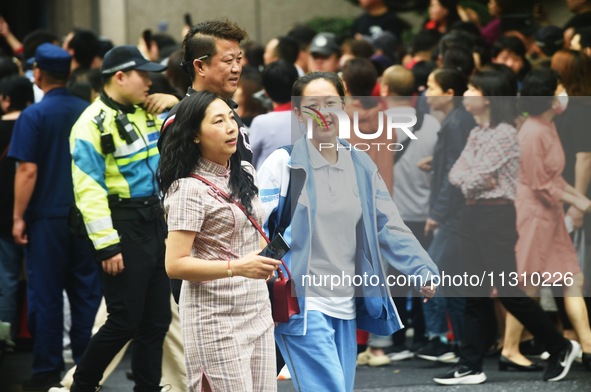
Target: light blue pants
x,y
324,358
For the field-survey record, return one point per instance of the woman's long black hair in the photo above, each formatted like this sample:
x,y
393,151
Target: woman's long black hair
x,y
179,154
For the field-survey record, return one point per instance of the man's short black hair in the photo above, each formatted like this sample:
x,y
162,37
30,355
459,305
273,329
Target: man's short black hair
x,y
287,49
360,75
34,39
459,58
424,40
278,80
511,44
85,45
200,40
302,34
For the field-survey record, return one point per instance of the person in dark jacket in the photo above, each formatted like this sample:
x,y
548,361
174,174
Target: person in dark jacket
x,y
444,89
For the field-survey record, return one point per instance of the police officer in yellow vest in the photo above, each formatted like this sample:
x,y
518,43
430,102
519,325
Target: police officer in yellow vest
x,y
115,157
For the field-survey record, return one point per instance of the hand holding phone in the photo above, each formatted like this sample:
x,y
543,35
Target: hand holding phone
x,y
276,249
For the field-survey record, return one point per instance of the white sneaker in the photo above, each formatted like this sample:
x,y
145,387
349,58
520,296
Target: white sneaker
x,y
400,356
284,374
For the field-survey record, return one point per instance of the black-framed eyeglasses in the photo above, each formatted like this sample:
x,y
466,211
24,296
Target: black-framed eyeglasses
x,y
186,64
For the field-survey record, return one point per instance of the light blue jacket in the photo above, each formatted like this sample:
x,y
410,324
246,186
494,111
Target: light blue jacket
x,y
382,237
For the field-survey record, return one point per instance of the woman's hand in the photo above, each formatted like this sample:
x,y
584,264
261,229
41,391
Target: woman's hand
x,y
583,204
254,266
425,164
430,226
576,216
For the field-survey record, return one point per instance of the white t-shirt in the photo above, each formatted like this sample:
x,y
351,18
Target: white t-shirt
x,y
333,248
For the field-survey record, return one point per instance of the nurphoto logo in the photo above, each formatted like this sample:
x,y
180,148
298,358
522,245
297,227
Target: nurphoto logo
x,y
393,120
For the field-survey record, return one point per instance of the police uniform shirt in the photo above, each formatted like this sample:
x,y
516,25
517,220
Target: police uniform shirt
x,y
41,136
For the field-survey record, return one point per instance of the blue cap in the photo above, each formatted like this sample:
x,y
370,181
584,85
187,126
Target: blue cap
x,y
52,58
125,58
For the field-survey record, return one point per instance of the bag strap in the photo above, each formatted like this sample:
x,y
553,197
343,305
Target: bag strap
x,y
250,217
288,206
285,217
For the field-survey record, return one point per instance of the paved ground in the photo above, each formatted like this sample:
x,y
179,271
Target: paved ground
x,y
407,376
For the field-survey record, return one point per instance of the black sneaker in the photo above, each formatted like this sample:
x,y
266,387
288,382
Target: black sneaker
x,y
437,351
531,348
418,344
460,375
73,388
559,364
42,381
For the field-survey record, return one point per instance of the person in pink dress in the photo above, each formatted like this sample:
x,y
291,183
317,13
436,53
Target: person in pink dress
x,y
544,249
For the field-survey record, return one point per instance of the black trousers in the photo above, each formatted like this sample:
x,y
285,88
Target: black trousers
x,y
489,236
399,294
138,303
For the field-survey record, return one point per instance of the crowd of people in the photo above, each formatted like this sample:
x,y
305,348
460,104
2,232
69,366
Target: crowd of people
x,y
140,180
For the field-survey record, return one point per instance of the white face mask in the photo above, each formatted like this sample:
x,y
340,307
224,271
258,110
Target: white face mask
x,y
562,100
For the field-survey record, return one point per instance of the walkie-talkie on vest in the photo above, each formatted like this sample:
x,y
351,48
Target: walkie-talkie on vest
x,y
126,130
107,143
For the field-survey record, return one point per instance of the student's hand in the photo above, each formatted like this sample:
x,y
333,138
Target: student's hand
x,y
114,265
158,103
425,164
19,231
254,266
430,226
428,291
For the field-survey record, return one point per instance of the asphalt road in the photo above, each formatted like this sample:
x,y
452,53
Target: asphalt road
x,y
406,376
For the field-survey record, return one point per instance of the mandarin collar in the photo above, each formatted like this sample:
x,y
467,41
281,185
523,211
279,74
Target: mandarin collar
x,y
214,168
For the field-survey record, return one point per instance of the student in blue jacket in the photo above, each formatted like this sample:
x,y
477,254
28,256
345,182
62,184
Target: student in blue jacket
x,y
344,228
